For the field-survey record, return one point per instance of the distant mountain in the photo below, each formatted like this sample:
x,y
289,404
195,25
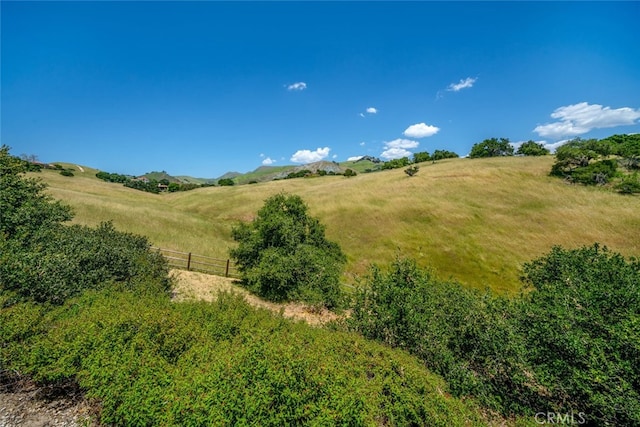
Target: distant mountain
x,y
270,173
229,175
159,176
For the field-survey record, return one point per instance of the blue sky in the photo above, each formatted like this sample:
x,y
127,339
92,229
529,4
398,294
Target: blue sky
x,y
203,88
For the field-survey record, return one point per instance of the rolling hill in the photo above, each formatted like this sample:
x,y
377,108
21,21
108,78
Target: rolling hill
x,y
474,220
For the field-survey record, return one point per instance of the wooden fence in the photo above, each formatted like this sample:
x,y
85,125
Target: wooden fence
x,y
204,264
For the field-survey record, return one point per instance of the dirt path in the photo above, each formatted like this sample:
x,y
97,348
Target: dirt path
x,y
193,285
23,404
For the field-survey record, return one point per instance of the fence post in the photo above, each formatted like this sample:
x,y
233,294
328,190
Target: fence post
x,y
189,262
226,273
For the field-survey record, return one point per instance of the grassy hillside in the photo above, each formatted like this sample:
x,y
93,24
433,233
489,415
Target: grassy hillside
x,y
474,220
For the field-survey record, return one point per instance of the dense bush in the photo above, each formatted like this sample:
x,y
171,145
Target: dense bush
x,y
629,184
420,157
532,148
570,343
396,163
443,154
582,324
26,211
459,333
598,173
595,162
152,362
283,254
46,261
492,147
75,258
349,173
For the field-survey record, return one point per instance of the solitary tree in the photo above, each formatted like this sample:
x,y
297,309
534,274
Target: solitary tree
x,y
283,254
412,170
494,147
532,148
349,173
420,157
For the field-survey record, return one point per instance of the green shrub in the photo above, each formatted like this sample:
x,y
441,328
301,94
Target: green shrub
x,y
46,261
283,254
349,173
492,147
443,154
582,323
75,258
570,343
596,173
630,184
459,333
148,361
532,148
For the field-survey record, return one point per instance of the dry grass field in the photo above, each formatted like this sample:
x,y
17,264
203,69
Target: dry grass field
x,y
474,220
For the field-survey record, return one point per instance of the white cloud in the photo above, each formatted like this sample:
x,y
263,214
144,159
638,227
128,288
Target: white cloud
x,y
420,130
308,156
463,84
268,161
401,143
354,158
552,147
581,118
362,144
297,86
398,148
395,153
369,110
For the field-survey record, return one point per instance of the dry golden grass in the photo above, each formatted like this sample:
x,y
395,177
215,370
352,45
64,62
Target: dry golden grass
x,y
476,221
191,285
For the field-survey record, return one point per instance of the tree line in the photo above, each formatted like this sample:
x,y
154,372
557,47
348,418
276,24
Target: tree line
x,y
149,185
612,161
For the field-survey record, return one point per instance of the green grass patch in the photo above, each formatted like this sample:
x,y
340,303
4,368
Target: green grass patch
x,y
152,362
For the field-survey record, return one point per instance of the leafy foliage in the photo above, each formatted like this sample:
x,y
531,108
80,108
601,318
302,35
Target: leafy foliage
x,y
582,321
412,170
283,254
532,148
226,182
627,147
420,157
629,184
152,362
571,343
493,147
595,162
443,154
26,212
396,163
43,260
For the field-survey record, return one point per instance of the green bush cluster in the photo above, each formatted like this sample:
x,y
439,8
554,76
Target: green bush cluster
x,y
152,362
492,147
283,254
570,343
150,186
532,148
46,261
595,162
